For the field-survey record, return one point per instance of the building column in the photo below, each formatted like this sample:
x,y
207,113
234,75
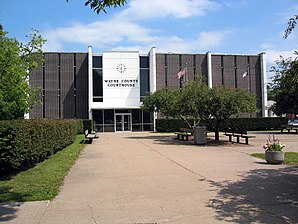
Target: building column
x,y
209,69
264,85
152,74
90,81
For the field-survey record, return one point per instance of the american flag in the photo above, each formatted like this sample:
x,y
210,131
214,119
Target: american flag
x,y
182,73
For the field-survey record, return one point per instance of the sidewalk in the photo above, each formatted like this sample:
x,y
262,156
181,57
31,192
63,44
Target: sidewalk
x,y
152,178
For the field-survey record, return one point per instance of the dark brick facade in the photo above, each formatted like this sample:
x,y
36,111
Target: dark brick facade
x,y
64,82
64,79
227,70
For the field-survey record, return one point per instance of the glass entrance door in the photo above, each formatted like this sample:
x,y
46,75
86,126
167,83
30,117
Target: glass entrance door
x,y
123,122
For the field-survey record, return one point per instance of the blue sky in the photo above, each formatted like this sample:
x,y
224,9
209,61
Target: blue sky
x,y
177,26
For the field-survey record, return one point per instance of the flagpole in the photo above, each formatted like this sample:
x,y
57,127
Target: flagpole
x,y
186,73
248,78
180,82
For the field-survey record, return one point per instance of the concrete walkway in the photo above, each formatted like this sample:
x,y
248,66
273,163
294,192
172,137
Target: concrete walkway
x,y
152,178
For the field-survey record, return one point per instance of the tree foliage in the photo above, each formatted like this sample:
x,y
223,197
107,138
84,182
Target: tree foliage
x,y
284,86
101,5
291,26
197,101
17,97
162,101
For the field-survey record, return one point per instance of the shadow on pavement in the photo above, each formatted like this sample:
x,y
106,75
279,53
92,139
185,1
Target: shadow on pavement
x,y
8,210
274,192
171,140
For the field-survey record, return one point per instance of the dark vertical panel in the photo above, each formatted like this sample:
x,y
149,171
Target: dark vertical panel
x,y
229,70
67,86
216,70
173,69
255,79
235,71
36,82
51,101
255,73
188,58
160,71
201,65
82,85
241,69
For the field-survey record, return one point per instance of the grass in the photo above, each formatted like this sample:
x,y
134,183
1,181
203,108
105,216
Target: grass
x,y
44,180
291,158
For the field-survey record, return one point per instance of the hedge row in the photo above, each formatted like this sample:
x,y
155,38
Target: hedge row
x,y
24,143
251,124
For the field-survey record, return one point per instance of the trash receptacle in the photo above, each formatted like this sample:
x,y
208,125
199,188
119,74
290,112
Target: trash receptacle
x,y
200,135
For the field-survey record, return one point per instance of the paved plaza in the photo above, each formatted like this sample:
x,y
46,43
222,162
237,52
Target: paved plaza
x,y
151,178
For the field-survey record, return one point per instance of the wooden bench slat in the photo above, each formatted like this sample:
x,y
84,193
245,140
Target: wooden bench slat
x,y
238,133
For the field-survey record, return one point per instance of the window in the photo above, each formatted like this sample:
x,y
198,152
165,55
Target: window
x,y
97,79
144,76
109,121
144,62
97,61
97,85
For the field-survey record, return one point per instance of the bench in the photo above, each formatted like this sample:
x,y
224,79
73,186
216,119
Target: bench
x,y
238,133
90,136
184,134
288,128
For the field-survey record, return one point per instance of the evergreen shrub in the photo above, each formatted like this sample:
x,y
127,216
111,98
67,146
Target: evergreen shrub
x,y
24,143
250,124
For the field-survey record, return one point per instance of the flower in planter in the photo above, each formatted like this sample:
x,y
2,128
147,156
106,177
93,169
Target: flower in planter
x,y
273,144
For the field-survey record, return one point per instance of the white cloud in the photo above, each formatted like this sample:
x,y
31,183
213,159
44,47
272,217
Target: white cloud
x,y
144,9
274,55
97,34
209,40
125,29
114,33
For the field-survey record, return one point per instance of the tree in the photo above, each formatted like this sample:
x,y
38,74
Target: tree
x,y
193,101
17,97
284,86
223,102
101,5
216,105
196,100
291,26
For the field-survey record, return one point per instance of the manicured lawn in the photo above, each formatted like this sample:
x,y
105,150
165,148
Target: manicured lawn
x,y
43,181
291,158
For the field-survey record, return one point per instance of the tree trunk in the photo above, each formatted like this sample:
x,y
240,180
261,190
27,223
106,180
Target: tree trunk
x,y
216,130
216,135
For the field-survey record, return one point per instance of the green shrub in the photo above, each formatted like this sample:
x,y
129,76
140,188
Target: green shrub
x,y
79,125
251,123
24,143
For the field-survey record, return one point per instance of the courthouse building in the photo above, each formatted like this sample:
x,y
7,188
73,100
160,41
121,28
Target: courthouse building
x,y
109,87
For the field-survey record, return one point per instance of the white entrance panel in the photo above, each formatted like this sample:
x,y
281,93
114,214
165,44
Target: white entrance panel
x,y
121,82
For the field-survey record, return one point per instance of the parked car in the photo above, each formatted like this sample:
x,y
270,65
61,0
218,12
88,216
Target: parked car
x,y
293,122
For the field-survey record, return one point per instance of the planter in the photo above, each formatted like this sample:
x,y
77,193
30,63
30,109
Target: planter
x,y
274,157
